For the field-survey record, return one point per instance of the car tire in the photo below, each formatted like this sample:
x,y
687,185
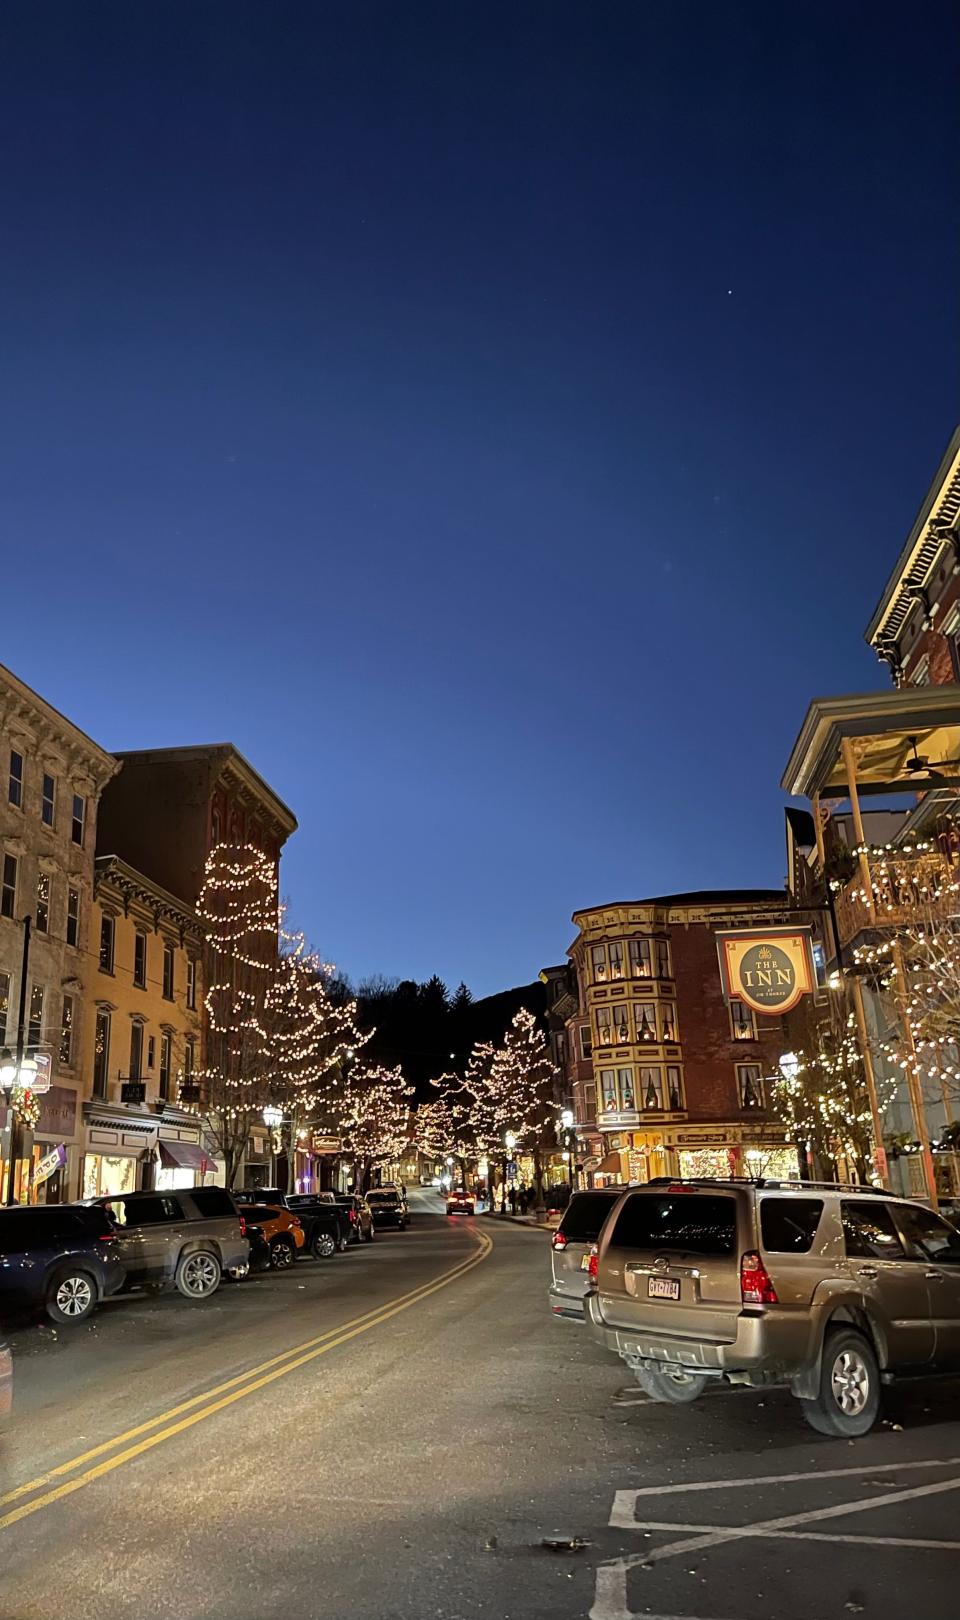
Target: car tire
x,y
849,1398
343,1243
198,1274
324,1247
368,1237
71,1296
670,1388
282,1254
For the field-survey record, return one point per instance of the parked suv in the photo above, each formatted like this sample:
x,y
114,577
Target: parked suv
x,y
387,1207
64,1257
570,1248
826,1288
188,1237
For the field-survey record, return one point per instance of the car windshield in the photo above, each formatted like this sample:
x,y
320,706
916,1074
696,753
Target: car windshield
x,y
584,1216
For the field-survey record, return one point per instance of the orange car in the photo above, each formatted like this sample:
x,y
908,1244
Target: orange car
x,y
282,1231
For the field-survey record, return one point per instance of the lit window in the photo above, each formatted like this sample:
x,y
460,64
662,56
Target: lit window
x,y
641,961
646,1015
608,1090
621,1022
4,1004
66,1032
48,800
15,787
604,1026
742,1021
625,1087
651,1088
165,1053
598,956
43,904
750,1085
616,960
668,1021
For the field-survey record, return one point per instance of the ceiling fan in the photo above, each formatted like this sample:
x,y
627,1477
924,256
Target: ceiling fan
x,y
919,765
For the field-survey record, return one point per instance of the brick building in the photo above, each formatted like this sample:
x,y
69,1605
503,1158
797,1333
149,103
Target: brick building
x,y
666,1078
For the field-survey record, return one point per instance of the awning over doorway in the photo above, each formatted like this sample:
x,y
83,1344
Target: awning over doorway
x,y
185,1156
611,1165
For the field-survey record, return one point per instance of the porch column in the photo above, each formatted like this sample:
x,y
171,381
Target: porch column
x,y
879,1152
913,1078
850,766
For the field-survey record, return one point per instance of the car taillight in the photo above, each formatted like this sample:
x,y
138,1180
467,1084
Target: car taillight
x,y
593,1264
243,1227
352,1214
559,1241
755,1285
106,1237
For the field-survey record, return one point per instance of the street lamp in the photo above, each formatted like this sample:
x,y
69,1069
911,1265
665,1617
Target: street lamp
x,y
273,1119
789,1065
566,1120
509,1142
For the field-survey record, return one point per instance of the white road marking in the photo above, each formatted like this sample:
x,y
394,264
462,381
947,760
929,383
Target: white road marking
x,y
731,1532
623,1517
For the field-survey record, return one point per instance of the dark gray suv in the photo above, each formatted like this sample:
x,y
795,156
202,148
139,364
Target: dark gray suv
x,y
188,1237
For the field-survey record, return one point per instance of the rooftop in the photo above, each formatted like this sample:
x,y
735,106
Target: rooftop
x,y
226,753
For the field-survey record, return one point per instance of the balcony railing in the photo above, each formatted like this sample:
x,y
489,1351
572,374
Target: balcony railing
x,y
905,889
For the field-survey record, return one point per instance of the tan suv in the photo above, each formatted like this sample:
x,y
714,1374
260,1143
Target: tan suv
x,y
829,1289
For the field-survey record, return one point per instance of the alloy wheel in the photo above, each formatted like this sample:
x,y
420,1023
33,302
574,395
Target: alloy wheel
x,y
850,1382
200,1274
74,1296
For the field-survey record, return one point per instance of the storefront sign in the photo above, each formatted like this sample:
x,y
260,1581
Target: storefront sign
x,y
58,1113
50,1164
769,971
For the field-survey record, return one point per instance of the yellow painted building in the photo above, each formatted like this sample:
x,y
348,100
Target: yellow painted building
x,y
143,1035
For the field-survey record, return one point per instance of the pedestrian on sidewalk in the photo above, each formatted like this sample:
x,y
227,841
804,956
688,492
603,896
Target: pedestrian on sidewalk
x,y
513,1200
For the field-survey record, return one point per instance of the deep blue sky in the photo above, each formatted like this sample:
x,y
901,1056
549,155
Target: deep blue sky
x,y
497,419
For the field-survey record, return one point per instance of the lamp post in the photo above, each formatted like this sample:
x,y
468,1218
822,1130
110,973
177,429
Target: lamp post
x,y
509,1142
273,1119
570,1135
11,1072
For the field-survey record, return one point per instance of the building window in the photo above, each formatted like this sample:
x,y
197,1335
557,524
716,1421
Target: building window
x,y
35,1026
590,1101
621,1022
140,959
616,960
191,982
215,827
4,1005
168,972
662,950
742,1022
136,1050
604,1026
608,1090
625,1087
750,1085
106,944
646,1016
66,1032
598,957
43,904
48,800
165,1054
674,1086
73,916
641,960
586,1042
188,1058
15,785
78,818
151,1051
668,1021
8,894
101,1054
651,1088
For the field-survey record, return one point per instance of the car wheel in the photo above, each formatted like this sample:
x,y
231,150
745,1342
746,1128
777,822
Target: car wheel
x,y
281,1254
849,1397
323,1246
71,1297
670,1388
343,1243
369,1233
198,1274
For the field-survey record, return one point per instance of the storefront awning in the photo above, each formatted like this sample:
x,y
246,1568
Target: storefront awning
x,y
611,1165
185,1156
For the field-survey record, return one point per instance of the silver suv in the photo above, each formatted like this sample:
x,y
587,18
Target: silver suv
x,y
829,1289
187,1237
570,1249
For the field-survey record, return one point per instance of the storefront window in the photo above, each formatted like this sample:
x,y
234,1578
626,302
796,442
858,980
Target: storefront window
x,y
106,1175
706,1162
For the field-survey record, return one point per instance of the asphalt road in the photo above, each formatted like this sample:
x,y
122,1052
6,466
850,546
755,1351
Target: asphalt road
x,y
395,1432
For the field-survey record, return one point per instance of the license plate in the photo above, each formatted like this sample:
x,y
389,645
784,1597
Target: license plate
x,y
584,1262
662,1288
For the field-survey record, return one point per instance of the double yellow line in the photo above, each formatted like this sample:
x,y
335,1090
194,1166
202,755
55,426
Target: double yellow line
x,y
199,1407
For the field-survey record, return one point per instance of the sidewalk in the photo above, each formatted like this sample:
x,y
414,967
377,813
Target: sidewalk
x,y
548,1224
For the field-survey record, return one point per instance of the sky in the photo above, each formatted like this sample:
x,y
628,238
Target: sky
x,y
496,419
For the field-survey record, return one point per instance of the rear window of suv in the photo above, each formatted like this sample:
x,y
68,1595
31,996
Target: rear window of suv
x,y
789,1225
585,1215
691,1223
213,1201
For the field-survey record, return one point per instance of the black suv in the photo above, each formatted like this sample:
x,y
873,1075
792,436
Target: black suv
x,y
65,1257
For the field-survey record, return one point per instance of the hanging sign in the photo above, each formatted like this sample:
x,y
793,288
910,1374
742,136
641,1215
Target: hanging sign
x,y
769,970
50,1164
